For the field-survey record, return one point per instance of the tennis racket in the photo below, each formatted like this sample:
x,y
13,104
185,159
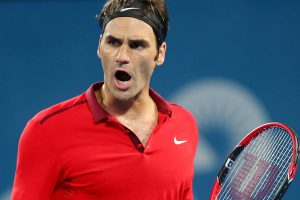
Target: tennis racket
x,y
261,166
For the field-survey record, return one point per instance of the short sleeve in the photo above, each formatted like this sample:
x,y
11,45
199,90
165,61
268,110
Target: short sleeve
x,y
37,170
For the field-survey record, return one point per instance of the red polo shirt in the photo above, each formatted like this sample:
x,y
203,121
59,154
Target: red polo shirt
x,y
75,150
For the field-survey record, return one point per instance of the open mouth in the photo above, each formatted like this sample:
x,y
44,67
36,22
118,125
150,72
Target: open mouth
x,y
122,76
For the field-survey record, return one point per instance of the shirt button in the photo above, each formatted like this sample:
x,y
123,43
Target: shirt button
x,y
139,146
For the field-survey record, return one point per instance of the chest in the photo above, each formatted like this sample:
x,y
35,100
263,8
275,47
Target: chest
x,y
105,158
142,129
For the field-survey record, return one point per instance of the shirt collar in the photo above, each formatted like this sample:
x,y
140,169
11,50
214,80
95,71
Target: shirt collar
x,y
100,113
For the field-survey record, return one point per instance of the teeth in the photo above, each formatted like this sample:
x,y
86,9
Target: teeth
x,y
122,76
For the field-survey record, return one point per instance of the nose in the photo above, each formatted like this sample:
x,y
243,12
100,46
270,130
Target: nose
x,y
122,56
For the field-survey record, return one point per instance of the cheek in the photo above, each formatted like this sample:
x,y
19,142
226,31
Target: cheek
x,y
106,53
107,72
146,68
106,59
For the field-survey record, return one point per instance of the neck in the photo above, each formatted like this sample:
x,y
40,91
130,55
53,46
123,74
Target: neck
x,y
132,108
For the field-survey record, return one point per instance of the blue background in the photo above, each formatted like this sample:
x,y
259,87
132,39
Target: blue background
x,y
48,54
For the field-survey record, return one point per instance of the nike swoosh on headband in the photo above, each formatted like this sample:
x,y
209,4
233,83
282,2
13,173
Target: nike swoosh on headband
x,y
125,9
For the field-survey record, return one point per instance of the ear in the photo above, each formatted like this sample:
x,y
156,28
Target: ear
x,y
161,54
98,50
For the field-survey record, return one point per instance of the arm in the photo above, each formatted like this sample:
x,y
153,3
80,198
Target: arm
x,y
37,171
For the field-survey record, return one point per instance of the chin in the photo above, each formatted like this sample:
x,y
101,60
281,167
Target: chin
x,y
123,96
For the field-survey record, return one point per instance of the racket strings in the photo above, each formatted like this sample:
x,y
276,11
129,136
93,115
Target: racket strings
x,y
282,160
260,167
270,177
243,175
258,171
272,172
278,166
268,156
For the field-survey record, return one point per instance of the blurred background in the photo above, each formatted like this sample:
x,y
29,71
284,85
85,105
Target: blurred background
x,y
234,64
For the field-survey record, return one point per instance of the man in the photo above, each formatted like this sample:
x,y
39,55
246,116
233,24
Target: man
x,y
119,139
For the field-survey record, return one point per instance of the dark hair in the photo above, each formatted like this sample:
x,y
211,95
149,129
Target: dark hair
x,y
156,10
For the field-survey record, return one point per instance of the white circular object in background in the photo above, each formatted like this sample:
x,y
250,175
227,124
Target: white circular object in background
x,y
223,104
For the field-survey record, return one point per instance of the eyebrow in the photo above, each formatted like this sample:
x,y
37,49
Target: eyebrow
x,y
141,41
110,37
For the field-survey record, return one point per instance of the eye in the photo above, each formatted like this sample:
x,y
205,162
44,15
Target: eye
x,y
114,42
137,44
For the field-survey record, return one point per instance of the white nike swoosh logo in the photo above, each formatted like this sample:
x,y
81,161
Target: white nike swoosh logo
x,y
179,141
125,9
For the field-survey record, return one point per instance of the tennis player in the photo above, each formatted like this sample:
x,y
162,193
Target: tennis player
x,y
119,139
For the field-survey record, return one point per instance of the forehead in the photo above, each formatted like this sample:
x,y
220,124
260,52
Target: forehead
x,y
129,27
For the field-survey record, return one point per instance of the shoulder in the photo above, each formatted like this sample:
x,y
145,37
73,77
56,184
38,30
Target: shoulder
x,y
38,128
180,111
42,131
185,120
58,109
184,117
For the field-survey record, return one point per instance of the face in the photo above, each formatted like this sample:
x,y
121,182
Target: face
x,y
128,53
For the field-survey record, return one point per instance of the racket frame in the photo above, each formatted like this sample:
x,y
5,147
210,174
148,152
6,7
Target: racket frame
x,y
240,147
